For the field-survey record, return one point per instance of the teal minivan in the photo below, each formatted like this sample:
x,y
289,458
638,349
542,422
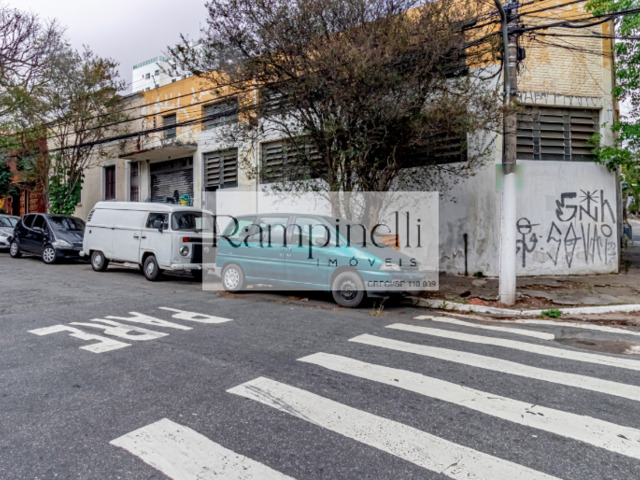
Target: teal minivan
x,y
313,252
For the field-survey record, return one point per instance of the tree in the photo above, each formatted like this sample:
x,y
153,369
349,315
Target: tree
x,y
56,104
361,90
26,48
83,106
625,151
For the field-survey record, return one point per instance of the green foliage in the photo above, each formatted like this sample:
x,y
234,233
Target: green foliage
x,y
5,179
624,154
553,313
64,192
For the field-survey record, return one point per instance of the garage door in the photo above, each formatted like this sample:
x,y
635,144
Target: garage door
x,y
172,181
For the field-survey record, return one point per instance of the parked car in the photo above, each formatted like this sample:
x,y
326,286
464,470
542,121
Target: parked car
x,y
53,237
154,236
350,270
7,224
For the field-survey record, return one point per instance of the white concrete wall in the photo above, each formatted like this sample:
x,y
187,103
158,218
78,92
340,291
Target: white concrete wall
x,y
577,235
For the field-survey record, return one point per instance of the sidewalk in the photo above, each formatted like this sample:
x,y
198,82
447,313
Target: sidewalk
x,y
550,292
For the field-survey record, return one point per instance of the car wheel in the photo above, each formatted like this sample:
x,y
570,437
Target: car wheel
x,y
233,278
48,254
151,269
348,290
98,261
14,250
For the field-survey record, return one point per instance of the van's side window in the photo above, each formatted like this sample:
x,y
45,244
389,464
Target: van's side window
x,y
163,217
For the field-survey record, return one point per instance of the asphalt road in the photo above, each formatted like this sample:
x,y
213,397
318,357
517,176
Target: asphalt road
x,y
268,386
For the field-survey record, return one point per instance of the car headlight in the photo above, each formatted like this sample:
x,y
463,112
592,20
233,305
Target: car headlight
x,y
184,251
393,267
62,244
4,235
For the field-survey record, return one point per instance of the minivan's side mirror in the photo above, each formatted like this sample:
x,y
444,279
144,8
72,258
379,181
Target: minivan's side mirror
x,y
159,225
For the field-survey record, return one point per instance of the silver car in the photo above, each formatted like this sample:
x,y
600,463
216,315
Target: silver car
x,y
7,224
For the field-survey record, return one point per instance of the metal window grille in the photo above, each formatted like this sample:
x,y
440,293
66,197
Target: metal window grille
x,y
220,113
284,160
546,133
168,121
221,168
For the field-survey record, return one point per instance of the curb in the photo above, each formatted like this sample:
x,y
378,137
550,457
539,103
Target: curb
x,y
461,307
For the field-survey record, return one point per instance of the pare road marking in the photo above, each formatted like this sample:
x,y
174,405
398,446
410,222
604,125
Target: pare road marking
x,y
125,331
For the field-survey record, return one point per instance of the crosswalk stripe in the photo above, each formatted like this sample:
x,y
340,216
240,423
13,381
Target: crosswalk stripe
x,y
516,331
584,382
523,346
183,454
596,432
583,326
421,448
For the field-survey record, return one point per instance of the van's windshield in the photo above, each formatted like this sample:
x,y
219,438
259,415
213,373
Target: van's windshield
x,y
192,221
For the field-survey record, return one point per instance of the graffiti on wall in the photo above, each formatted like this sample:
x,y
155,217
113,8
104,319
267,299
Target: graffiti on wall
x,y
582,228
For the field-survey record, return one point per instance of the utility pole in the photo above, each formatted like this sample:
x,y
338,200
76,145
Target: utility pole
x,y
507,288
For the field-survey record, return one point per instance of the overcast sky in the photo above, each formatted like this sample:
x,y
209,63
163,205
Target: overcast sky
x,y
129,31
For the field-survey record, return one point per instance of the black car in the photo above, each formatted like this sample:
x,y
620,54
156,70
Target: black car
x,y
51,236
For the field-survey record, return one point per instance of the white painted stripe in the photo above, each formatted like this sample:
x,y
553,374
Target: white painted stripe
x,y
608,387
418,447
462,307
516,331
584,326
183,454
525,347
596,432
195,317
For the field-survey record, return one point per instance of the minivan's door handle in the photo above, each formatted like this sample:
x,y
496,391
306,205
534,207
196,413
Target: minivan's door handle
x,y
136,236
144,236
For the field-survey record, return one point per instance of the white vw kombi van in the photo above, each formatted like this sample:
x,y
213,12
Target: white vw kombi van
x,y
155,236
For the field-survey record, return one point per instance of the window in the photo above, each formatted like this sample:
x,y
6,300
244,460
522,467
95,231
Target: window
x,y
169,124
284,160
300,232
546,133
237,230
273,101
158,217
147,76
110,182
134,182
192,221
269,230
79,196
157,72
61,223
220,113
38,222
221,168
437,149
27,221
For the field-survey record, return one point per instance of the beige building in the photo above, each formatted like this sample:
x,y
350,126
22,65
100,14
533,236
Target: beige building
x,y
568,205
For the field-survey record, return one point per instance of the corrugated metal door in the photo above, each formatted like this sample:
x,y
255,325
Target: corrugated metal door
x,y
172,181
